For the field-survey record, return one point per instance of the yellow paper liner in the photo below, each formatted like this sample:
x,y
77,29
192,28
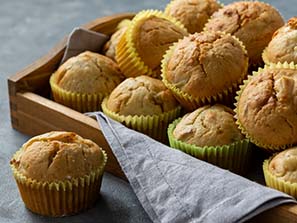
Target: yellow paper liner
x,y
190,103
154,126
126,55
234,157
277,183
264,57
60,198
267,147
77,101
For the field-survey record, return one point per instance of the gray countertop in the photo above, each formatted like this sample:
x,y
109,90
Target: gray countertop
x,y
28,29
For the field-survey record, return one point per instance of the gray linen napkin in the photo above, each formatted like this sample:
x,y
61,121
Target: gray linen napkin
x,y
80,40
175,187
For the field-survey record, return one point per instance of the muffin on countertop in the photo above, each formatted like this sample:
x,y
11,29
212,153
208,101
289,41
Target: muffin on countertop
x,y
208,126
143,103
252,22
84,80
50,166
280,171
283,46
149,35
267,106
193,14
205,67
211,134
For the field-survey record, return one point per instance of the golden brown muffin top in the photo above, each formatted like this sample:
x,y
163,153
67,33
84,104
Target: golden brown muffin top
x,y
152,37
193,14
110,46
267,107
208,126
283,47
284,165
89,73
141,95
58,156
205,64
252,22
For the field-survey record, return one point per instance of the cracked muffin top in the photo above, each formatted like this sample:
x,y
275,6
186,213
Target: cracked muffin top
x,y
193,14
208,126
205,64
141,95
283,47
267,108
57,156
88,73
152,36
284,165
252,22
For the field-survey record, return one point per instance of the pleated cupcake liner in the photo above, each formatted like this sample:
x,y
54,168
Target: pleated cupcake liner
x,y
277,183
77,101
154,126
60,198
234,157
189,102
253,139
127,56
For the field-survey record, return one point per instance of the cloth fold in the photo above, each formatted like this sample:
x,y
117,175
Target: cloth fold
x,y
175,187
80,40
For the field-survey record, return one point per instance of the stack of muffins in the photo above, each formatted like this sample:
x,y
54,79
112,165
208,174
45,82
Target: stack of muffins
x,y
185,68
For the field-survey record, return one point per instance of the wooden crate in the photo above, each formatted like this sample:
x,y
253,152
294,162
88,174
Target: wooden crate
x,y
33,113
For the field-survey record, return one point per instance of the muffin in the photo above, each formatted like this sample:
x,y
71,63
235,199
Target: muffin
x,y
193,14
283,47
110,46
83,81
266,107
205,68
58,173
210,133
280,171
252,22
143,103
141,48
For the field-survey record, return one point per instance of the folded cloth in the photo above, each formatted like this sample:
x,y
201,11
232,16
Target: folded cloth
x,y
175,187
80,40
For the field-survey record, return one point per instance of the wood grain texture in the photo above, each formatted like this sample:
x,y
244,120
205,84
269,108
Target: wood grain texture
x,y
33,114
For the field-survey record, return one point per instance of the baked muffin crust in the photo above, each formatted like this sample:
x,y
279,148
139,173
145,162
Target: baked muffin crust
x,y
252,22
58,156
284,165
152,37
142,95
267,108
88,73
206,64
193,14
283,47
208,126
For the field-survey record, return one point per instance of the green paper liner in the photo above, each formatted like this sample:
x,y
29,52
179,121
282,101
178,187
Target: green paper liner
x,y
234,157
154,126
277,183
190,103
60,198
267,147
127,57
77,101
